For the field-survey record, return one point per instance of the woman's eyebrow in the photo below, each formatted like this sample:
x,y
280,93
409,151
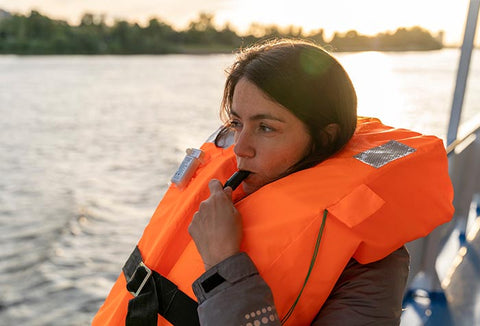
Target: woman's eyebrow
x,y
260,116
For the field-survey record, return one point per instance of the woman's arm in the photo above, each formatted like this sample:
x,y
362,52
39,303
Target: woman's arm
x,y
232,293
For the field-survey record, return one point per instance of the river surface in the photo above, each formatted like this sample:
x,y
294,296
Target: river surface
x,y
88,145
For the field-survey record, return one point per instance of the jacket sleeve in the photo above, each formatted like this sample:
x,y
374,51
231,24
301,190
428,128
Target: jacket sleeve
x,y
233,293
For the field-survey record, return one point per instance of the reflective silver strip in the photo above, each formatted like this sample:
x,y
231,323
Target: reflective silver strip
x,y
384,154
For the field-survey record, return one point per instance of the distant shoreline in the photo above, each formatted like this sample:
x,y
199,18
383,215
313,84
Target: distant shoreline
x,y
211,51
37,34
203,53
206,52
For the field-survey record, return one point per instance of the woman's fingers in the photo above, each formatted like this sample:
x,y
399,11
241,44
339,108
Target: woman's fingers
x,y
216,227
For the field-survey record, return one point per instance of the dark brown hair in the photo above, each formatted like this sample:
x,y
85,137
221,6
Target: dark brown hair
x,y
306,80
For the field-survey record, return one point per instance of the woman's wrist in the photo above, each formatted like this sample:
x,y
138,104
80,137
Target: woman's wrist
x,y
213,260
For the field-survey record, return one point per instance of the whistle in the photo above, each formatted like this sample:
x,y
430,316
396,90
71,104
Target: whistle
x,y
236,179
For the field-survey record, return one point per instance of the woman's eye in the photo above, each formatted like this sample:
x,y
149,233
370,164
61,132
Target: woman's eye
x,y
265,128
235,124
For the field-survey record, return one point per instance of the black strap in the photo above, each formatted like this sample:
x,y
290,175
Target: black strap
x,y
154,294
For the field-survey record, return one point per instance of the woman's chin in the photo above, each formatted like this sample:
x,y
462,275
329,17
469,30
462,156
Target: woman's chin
x,y
253,182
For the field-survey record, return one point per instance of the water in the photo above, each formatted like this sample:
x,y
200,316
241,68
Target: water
x,y
88,144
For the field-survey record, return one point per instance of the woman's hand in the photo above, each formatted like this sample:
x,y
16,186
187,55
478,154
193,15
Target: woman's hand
x,y
216,227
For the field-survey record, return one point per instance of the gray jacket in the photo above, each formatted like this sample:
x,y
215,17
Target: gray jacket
x,y
233,293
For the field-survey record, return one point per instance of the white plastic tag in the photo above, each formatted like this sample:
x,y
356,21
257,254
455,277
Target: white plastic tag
x,y
188,167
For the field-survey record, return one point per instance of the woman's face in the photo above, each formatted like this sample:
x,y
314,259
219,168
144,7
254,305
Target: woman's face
x,y
269,139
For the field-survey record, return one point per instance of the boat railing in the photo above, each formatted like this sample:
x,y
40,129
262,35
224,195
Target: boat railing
x,y
464,169
433,257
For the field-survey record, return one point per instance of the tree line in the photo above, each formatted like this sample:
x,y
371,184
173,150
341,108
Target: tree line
x,y
38,34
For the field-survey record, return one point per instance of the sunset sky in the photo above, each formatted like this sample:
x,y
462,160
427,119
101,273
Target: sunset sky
x,y
367,16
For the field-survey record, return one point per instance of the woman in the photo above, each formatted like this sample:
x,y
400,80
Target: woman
x,y
278,131
316,223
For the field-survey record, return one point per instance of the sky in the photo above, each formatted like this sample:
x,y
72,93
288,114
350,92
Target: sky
x,y
367,16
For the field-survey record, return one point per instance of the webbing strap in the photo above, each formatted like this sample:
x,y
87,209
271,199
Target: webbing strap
x,y
155,294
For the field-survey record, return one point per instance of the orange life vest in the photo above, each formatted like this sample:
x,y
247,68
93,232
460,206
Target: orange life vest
x,y
386,187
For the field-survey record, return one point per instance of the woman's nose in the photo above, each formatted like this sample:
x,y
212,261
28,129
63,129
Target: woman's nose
x,y
244,146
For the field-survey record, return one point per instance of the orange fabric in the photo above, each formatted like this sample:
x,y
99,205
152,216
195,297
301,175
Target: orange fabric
x,y
372,212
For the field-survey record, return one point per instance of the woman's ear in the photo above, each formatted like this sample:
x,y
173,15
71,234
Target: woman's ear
x,y
330,133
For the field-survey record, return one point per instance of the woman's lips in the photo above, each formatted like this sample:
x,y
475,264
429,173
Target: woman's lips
x,y
250,179
250,173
